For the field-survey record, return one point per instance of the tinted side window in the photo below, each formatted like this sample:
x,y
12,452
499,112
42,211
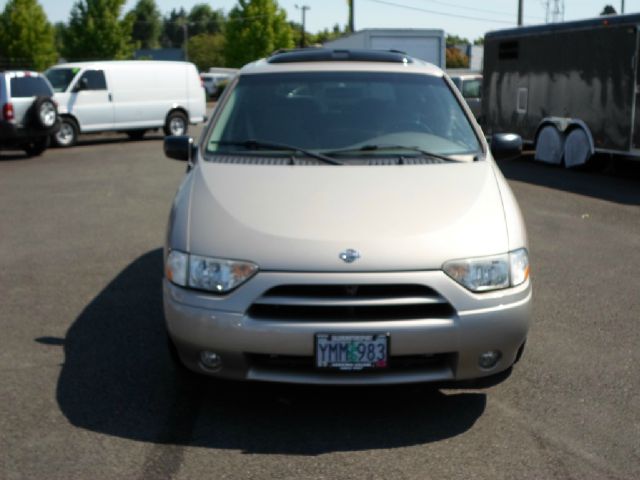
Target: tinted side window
x,y
95,80
471,88
30,87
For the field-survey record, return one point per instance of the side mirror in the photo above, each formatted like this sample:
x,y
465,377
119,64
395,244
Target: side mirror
x,y
82,84
506,146
179,147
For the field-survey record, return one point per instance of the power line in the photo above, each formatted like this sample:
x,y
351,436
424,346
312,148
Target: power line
x,y
419,9
483,10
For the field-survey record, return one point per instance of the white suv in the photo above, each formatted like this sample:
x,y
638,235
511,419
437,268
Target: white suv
x,y
29,115
343,221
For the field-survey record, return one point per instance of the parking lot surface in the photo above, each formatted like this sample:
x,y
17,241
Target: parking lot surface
x,y
88,389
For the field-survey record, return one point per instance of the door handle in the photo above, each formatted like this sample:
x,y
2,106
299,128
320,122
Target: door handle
x,y
110,97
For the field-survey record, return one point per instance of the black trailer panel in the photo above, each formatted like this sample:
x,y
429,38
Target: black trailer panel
x,y
579,70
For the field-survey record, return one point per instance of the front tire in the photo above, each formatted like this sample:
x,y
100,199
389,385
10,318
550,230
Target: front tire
x,y
67,136
176,124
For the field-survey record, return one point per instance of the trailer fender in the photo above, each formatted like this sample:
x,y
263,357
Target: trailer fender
x,y
549,144
578,145
552,136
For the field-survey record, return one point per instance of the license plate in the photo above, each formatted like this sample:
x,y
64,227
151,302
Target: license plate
x,y
351,353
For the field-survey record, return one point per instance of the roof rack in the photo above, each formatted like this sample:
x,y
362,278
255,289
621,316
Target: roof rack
x,y
338,55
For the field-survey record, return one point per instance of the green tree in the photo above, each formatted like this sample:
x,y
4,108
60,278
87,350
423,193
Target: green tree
x,y
456,59
203,19
254,29
96,31
326,34
59,29
608,10
27,39
146,24
172,28
452,40
206,50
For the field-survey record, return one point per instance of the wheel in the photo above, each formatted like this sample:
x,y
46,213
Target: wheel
x,y
549,145
577,148
136,134
176,124
67,136
36,146
44,113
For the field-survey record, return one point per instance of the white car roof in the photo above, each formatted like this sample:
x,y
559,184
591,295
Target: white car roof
x,y
410,65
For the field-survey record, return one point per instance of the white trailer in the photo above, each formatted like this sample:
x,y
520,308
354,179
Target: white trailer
x,y
425,44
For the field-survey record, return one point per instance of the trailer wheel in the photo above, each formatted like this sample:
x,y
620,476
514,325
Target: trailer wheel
x,y
549,145
577,148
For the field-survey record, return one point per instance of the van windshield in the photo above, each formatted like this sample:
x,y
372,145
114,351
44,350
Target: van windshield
x,y
60,78
328,112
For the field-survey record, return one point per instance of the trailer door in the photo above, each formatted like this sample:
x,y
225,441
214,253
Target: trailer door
x,y
636,109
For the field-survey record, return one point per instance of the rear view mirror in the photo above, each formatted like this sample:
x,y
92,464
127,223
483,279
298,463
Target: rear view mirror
x,y
506,146
179,147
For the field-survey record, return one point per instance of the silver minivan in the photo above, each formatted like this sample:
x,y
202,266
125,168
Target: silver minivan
x,y
342,221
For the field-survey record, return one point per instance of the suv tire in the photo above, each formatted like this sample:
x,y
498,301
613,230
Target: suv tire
x,y
67,136
36,146
176,124
44,113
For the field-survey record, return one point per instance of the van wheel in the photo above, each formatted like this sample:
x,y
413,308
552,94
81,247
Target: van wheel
x,y
176,124
44,113
36,146
67,136
136,134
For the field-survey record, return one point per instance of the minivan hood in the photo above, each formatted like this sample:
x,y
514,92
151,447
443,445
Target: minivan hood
x,y
300,218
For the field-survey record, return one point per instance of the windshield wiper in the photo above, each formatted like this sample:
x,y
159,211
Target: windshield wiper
x,y
378,148
259,145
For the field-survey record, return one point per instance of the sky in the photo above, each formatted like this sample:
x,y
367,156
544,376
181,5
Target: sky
x,y
465,18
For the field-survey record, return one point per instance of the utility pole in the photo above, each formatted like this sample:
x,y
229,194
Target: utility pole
x,y
555,12
520,12
622,8
351,6
185,40
304,9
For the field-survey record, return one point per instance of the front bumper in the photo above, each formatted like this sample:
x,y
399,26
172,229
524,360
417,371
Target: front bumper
x,y
198,321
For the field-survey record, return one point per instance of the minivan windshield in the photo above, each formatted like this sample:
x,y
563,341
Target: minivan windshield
x,y
344,113
60,78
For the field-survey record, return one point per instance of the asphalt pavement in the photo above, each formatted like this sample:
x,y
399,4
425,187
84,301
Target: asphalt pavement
x,y
88,390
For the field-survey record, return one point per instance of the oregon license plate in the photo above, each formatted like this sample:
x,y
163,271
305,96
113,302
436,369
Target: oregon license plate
x,y
351,352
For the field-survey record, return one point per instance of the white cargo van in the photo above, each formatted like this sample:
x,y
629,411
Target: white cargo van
x,y
126,96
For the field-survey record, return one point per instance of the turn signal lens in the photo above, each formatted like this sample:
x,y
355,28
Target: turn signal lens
x,y
176,267
519,266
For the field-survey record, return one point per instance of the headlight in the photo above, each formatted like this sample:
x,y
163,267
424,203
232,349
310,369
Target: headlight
x,y
490,273
205,273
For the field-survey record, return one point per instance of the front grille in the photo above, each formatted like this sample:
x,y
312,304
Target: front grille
x,y
350,303
397,363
